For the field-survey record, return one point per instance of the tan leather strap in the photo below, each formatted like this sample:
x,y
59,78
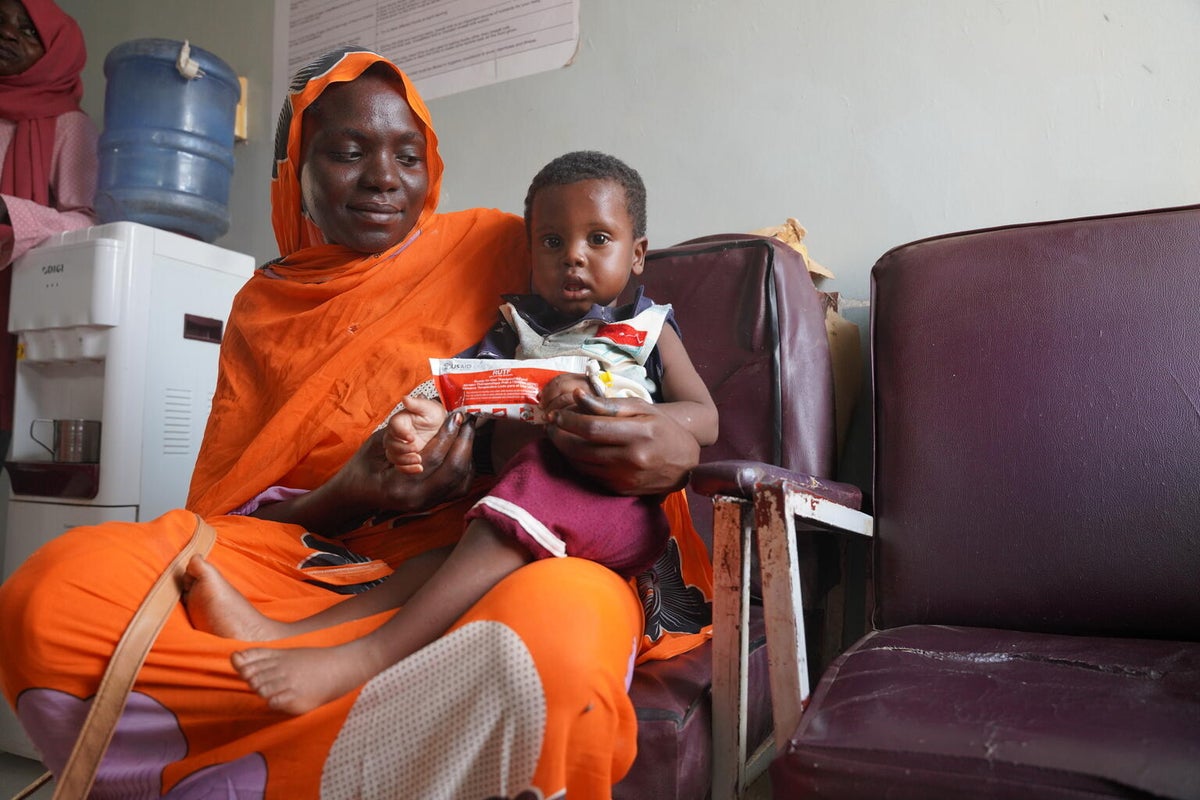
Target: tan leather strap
x,y
76,779
32,788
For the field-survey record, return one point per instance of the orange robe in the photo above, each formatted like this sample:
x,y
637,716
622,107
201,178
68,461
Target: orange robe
x,y
527,692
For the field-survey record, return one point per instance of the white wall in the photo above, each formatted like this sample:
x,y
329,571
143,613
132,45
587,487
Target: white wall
x,y
874,122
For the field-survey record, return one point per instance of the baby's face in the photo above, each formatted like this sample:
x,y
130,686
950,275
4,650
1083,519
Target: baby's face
x,y
582,243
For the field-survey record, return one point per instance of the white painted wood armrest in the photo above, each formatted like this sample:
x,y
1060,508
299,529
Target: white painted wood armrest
x,y
776,508
814,508
772,515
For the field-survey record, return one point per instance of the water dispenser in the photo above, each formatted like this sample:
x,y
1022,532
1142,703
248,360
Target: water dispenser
x,y
118,325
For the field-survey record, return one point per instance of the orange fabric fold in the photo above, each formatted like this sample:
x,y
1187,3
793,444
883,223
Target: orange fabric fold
x,y
323,343
308,370
695,575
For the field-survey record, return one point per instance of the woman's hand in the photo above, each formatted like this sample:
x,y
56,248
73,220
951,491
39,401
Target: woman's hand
x,y
368,480
368,483
627,444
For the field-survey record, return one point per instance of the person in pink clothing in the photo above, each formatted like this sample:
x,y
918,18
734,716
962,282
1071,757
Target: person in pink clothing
x,y
48,144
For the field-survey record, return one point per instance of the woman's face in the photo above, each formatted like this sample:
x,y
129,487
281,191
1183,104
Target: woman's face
x,y
363,174
20,45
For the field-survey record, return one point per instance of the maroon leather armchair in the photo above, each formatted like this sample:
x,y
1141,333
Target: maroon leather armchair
x,y
754,325
1036,526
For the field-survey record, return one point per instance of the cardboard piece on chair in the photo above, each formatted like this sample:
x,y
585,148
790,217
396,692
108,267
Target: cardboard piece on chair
x,y
792,234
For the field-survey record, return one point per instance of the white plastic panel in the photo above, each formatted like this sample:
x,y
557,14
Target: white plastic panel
x,y
67,285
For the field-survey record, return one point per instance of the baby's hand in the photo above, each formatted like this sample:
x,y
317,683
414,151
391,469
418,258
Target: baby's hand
x,y
408,432
559,392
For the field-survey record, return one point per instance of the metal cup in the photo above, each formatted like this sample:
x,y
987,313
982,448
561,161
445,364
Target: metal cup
x,y
75,441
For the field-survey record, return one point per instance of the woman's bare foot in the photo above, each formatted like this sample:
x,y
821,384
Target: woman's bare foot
x,y
214,606
299,679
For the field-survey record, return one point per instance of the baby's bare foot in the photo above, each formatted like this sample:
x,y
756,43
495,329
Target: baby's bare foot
x,y
215,606
299,679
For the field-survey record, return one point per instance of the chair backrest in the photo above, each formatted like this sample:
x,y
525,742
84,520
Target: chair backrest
x,y
1037,427
754,325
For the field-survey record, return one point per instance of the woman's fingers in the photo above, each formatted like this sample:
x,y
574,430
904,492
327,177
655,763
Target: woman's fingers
x,y
607,406
599,420
625,444
446,468
456,431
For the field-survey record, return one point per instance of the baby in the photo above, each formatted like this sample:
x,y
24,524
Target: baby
x,y
585,215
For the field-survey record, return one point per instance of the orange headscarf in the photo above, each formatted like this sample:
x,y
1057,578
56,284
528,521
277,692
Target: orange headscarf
x,y
323,343
293,230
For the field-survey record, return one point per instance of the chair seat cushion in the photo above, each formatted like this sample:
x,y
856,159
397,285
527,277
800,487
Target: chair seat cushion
x,y
673,699
981,713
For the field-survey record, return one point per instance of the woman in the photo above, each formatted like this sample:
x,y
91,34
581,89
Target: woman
x,y
48,145
526,694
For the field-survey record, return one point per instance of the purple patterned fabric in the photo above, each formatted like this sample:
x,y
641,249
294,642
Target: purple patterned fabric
x,y
147,739
273,494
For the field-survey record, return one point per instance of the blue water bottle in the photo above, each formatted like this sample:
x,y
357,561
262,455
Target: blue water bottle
x,y
166,152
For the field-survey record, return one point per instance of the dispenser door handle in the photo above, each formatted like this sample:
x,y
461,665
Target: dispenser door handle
x,y
202,329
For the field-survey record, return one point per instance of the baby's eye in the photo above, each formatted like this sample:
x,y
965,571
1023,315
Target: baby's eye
x,y
600,239
551,242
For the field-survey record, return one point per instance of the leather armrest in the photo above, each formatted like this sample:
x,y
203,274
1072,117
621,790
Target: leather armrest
x,y
739,479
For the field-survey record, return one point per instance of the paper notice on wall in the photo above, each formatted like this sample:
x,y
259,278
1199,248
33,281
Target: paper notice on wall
x,y
445,46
